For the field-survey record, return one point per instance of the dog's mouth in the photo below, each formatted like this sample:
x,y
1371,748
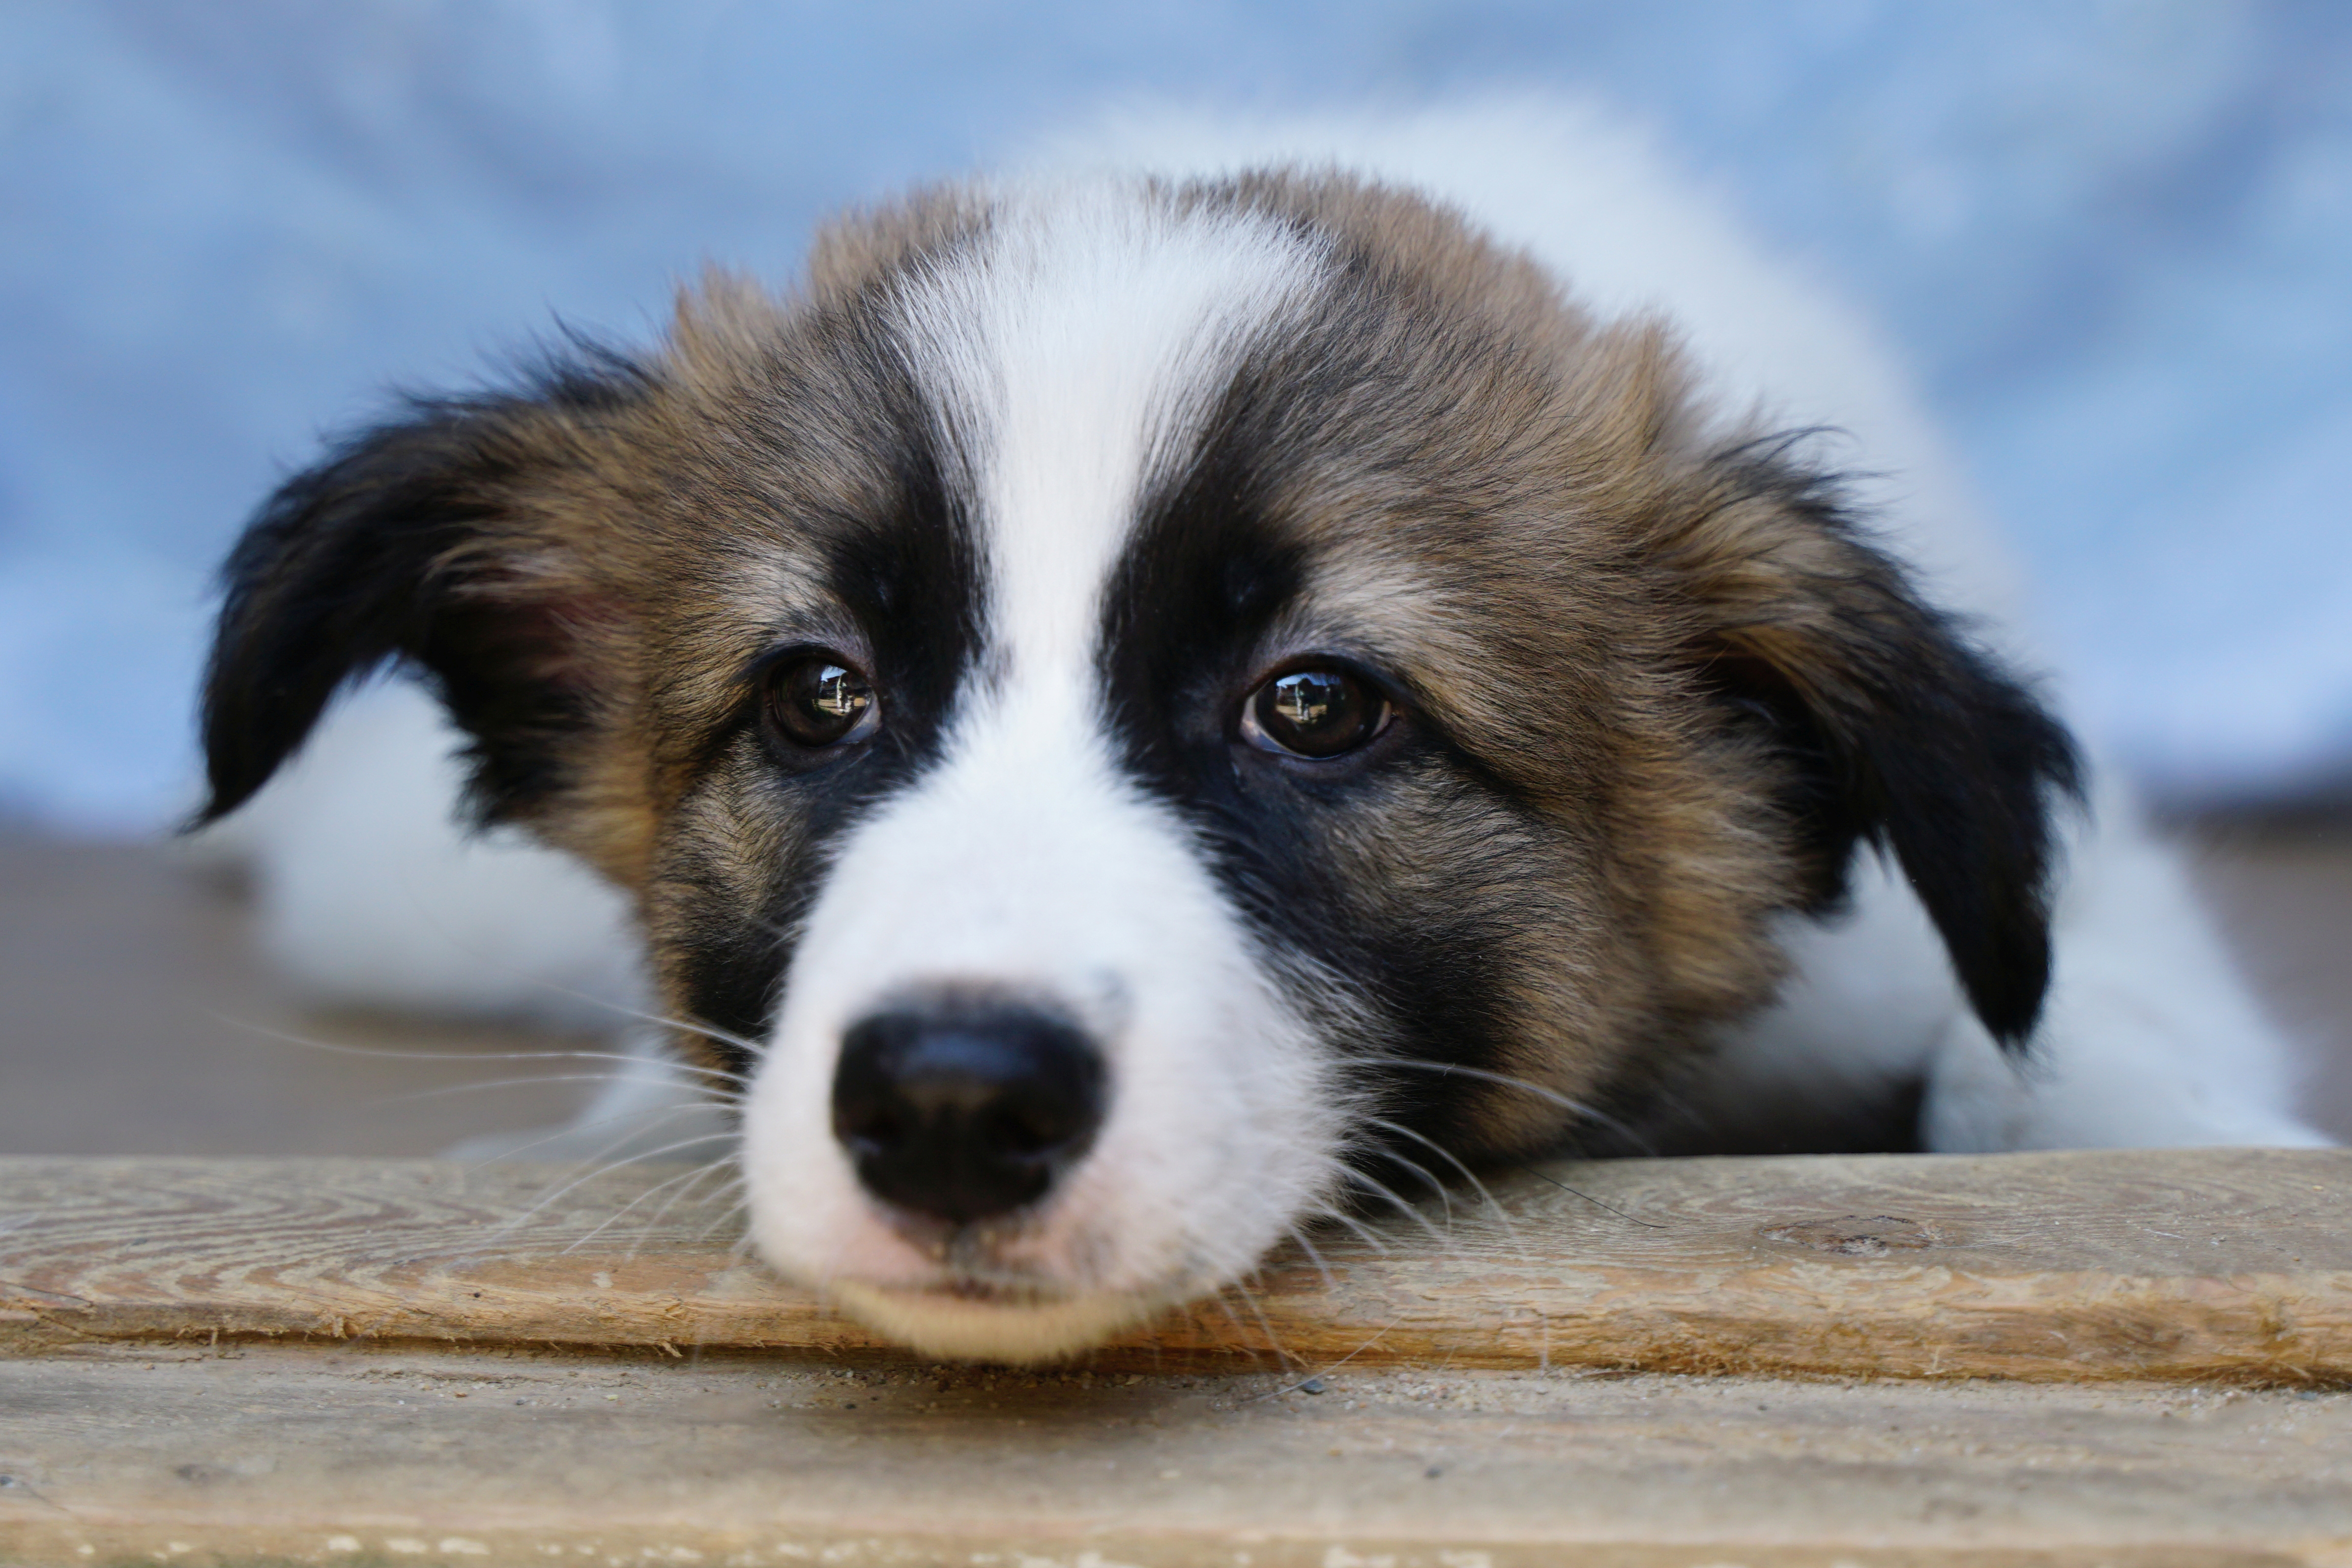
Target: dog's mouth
x,y
967,1319
989,1292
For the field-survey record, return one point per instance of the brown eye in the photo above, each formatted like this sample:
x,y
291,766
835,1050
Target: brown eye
x,y
1320,712
816,700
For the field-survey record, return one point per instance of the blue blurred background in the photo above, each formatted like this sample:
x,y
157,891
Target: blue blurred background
x,y
2114,240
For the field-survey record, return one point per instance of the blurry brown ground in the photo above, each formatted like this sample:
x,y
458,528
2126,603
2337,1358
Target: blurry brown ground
x,y
135,1017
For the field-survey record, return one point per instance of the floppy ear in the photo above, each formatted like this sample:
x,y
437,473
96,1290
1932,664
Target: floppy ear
x,y
1896,727
410,542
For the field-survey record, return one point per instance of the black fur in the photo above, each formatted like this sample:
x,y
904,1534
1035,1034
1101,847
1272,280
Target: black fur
x,y
390,550
913,580
1909,737
366,558
1195,592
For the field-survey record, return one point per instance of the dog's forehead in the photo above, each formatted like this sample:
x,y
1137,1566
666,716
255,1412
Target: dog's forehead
x,y
1071,355
1028,403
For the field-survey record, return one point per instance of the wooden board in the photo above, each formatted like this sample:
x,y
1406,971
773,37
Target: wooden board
x,y
357,1458
2231,1266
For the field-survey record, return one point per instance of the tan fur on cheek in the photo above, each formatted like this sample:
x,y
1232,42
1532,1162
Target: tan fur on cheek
x,y
1490,545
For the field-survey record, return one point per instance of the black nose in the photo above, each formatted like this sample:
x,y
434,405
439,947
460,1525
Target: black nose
x,y
965,1112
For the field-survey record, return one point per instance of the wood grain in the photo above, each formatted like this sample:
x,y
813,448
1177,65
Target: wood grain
x,y
2222,1265
361,1457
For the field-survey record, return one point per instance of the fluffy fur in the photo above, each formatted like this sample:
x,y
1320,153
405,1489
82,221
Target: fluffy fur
x,y
1712,809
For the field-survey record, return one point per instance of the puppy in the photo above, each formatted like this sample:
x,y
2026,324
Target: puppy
x,y
1138,706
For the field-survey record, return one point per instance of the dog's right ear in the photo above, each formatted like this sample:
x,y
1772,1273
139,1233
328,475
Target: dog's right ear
x,y
418,541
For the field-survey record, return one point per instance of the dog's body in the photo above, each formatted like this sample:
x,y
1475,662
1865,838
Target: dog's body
x,y
1135,712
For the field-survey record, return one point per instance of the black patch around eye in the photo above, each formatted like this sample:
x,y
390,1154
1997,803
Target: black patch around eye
x,y
1187,613
912,581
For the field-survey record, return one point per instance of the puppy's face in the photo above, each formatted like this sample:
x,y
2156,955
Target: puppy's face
x,y
1137,716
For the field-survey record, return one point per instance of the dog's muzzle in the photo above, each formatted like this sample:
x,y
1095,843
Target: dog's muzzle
x,y
962,1112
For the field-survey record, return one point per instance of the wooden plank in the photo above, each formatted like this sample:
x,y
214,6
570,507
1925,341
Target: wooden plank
x,y
2230,1265
357,1457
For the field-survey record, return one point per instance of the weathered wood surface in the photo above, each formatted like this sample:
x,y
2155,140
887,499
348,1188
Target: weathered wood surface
x,y
2233,1266
356,1457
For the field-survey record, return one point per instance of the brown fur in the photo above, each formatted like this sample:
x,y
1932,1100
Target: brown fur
x,y
1614,621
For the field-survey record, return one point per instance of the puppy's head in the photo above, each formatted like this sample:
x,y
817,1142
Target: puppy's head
x,y
1136,714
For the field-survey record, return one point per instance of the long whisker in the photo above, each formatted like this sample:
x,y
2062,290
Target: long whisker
x,y
1298,1235
600,1170
1378,1336
709,1097
335,1049
691,1174
752,1049
638,1121
1360,1179
1281,1351
1364,1232
1428,1178
719,1166
729,1213
1549,1095
1588,1197
1226,1306
606,1004
1502,1214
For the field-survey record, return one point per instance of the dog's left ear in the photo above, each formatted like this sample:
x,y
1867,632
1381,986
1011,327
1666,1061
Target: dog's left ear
x,y
1894,728
430,541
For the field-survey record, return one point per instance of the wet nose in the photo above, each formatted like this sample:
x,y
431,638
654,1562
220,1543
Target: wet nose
x,y
964,1112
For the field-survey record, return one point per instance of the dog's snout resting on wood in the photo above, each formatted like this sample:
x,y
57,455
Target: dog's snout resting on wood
x,y
1148,703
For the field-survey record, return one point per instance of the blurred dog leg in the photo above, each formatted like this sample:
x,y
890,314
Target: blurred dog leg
x,y
372,892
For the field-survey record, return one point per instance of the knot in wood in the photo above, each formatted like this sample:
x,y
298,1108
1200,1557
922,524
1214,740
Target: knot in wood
x,y
1854,1235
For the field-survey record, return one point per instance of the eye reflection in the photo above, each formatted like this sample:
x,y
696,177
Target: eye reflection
x,y
819,700
1320,711
838,694
1309,699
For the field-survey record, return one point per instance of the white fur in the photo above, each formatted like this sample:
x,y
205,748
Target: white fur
x,y
2150,1039
1073,352
371,893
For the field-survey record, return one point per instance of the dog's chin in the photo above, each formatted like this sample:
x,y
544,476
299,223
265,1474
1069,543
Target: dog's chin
x,y
955,1324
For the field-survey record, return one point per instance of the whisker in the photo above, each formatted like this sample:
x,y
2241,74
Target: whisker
x,y
1427,1176
1502,1214
711,1096
508,1230
1588,1197
1281,1351
600,1170
1226,1306
752,1049
719,1166
1377,1338
638,1121
729,1213
605,1003
1549,1095
1298,1235
1502,1218
1360,1179
693,1174
335,1049
1364,1232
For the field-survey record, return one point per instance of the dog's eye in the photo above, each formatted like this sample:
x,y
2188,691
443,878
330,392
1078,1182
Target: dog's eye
x,y
816,700
1317,712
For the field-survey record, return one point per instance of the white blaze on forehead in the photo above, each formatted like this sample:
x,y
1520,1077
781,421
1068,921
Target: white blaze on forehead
x,y
1072,353
1075,350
